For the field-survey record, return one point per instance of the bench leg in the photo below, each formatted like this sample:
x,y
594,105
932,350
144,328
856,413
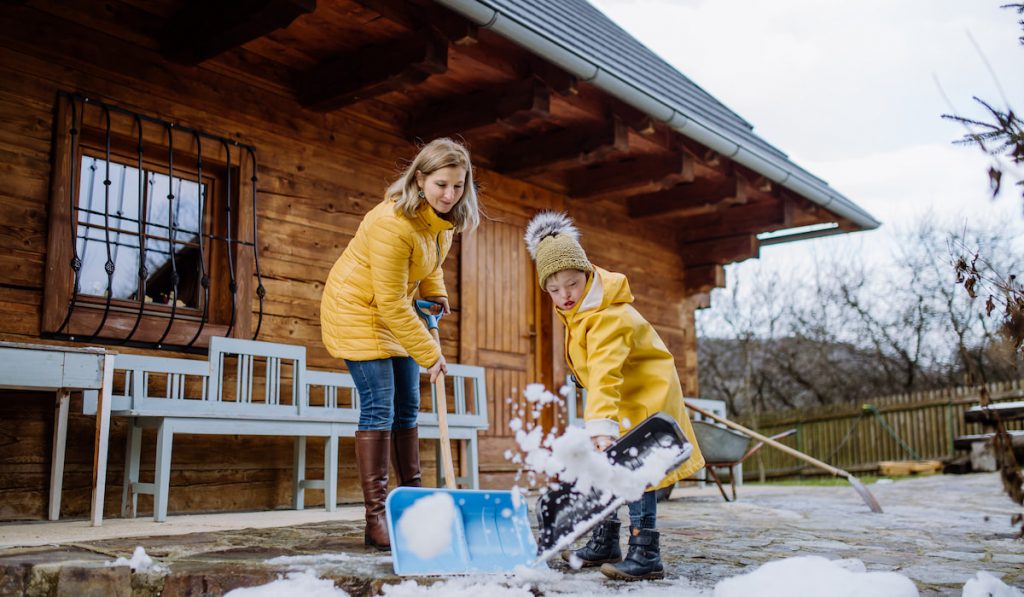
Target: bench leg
x,y
99,463
331,474
299,474
60,438
132,455
472,462
162,484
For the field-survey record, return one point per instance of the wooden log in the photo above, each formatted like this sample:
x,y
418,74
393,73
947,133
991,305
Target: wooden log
x,y
201,30
510,104
631,176
372,71
561,149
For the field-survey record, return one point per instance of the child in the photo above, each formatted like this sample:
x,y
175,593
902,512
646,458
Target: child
x,y
627,371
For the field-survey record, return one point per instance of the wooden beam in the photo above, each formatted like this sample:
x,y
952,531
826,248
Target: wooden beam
x,y
697,198
641,174
202,29
513,104
372,71
417,17
703,279
634,119
561,149
555,78
720,251
752,219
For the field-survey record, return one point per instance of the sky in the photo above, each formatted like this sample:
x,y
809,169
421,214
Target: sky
x,y
852,91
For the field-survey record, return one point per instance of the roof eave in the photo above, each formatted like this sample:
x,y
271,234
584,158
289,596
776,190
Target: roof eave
x,y
780,171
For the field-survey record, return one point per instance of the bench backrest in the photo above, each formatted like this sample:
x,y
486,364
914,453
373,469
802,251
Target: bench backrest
x,y
267,380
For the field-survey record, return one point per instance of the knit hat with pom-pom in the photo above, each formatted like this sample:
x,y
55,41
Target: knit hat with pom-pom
x,y
553,242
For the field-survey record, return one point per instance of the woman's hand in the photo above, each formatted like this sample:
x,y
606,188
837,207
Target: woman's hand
x,y
441,366
602,442
442,305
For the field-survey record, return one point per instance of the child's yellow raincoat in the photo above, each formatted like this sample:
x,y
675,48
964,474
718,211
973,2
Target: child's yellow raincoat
x,y
627,370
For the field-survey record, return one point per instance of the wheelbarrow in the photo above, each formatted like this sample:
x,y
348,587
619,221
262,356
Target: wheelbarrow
x,y
725,448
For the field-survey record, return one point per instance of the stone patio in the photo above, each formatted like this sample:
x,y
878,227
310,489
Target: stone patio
x,y
939,531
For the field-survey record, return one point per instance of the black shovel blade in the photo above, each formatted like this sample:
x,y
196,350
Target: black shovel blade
x,y
563,513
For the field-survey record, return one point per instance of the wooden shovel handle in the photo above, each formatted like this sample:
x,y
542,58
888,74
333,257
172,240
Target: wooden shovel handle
x,y
442,424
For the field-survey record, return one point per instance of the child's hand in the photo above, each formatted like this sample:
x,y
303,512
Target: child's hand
x,y
601,442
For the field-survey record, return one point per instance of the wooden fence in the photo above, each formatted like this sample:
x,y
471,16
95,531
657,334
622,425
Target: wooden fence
x,y
856,437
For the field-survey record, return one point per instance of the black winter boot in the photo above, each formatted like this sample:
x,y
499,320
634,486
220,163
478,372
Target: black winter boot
x,y
643,561
602,548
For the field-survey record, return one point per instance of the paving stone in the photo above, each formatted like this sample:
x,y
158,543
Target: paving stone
x,y
938,531
94,581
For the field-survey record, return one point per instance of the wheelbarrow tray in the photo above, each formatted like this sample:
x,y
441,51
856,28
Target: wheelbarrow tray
x,y
719,444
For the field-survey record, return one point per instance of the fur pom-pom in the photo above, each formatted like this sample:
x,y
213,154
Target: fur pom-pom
x,y
545,224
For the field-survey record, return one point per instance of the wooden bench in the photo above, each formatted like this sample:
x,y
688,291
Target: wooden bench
x,y
262,388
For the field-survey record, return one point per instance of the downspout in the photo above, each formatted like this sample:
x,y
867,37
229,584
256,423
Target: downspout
x,y
585,70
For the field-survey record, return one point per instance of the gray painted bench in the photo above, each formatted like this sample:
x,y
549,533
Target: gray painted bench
x,y
262,388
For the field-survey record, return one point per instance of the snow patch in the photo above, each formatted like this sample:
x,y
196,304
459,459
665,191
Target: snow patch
x,y
320,559
815,575
987,585
427,525
305,583
140,562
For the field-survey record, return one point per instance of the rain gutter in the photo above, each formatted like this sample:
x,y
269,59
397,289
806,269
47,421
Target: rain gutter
x,y
779,171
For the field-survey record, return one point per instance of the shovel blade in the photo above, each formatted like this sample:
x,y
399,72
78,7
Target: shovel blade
x,y
564,513
490,533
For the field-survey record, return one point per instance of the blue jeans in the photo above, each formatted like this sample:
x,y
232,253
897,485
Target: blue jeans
x,y
389,392
644,511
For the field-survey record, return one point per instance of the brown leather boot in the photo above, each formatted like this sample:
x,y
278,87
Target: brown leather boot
x,y
372,451
405,456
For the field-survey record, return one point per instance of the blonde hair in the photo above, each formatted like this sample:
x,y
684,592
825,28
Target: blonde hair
x,y
439,153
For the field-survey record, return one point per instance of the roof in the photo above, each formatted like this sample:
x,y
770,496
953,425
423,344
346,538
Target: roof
x,y
580,38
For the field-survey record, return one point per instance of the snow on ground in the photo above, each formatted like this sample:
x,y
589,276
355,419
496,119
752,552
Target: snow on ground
x,y
804,575
427,525
305,583
815,575
572,457
987,585
140,562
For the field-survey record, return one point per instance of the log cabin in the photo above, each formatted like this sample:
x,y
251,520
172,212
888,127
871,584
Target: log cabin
x,y
180,169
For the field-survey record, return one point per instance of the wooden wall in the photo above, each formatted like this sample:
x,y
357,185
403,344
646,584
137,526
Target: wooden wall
x,y
318,174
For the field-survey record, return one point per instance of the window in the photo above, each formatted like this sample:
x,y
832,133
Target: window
x,y
171,227
151,242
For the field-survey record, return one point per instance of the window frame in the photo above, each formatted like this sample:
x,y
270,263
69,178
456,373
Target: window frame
x,y
86,311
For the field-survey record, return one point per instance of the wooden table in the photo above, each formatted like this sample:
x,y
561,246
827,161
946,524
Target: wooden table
x,y
63,369
1007,411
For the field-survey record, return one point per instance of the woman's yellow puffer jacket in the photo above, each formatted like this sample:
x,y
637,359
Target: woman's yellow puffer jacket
x,y
626,368
366,312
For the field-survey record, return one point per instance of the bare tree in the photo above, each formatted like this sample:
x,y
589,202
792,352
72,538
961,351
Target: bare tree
x,y
845,333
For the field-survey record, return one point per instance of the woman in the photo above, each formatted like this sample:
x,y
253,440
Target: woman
x,y
367,314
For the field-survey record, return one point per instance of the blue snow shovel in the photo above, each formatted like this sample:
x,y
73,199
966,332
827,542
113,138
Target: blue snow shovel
x,y
490,531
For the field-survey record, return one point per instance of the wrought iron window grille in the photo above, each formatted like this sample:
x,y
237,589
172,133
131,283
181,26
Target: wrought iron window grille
x,y
147,240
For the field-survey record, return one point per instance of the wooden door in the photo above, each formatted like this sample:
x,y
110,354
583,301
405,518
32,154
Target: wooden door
x,y
499,331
